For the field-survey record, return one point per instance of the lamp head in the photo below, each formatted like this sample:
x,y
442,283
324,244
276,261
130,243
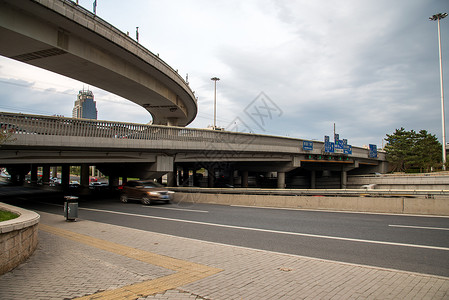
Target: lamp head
x,y
438,16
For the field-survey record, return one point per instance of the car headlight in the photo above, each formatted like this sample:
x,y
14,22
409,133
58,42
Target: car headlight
x,y
154,193
171,192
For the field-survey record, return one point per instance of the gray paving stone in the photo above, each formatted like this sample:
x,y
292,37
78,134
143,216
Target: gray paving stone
x,y
61,268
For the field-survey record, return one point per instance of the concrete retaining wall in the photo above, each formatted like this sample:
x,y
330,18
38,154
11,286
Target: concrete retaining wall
x,y
398,182
400,205
18,237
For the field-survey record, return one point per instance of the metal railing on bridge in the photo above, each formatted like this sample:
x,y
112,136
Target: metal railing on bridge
x,y
62,126
26,124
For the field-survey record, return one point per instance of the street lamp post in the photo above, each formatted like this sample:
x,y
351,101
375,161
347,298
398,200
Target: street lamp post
x,y
215,79
437,18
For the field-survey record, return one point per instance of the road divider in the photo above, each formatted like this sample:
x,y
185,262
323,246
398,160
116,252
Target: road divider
x,y
353,200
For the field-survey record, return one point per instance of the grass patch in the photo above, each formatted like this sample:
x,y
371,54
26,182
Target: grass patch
x,y
7,215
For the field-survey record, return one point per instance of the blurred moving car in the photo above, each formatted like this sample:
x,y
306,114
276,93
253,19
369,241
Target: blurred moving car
x,y
145,191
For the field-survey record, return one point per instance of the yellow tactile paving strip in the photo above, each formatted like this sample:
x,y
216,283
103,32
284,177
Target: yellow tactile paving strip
x,y
186,272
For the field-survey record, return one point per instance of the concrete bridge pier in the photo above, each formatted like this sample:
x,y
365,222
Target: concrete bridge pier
x,y
84,179
344,174
33,178
185,176
281,180
114,181
65,176
18,173
313,179
244,176
210,177
231,176
54,171
171,179
344,179
46,175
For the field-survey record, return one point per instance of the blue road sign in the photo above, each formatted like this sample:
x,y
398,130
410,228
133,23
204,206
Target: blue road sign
x,y
329,147
347,149
307,145
339,144
372,151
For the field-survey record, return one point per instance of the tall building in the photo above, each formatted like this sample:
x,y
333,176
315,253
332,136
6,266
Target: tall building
x,y
85,106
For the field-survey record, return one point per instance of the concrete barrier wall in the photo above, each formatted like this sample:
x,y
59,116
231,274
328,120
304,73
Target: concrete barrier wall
x,y
409,182
399,205
18,237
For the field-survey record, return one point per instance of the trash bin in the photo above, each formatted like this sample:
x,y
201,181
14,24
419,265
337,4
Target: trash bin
x,y
71,208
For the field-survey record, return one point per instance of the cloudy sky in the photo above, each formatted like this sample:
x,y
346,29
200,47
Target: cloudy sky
x,y
368,66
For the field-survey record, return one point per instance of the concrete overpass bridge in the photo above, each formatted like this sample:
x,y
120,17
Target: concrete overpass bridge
x,y
63,37
149,151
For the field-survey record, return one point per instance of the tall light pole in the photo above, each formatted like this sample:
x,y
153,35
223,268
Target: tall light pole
x,y
215,79
437,18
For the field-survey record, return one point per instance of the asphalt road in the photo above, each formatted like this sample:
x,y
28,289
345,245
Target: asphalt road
x,y
410,243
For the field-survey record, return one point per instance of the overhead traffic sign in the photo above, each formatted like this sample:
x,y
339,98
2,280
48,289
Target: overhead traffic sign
x,y
307,145
372,151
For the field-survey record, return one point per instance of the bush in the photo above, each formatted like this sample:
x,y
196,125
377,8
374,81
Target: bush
x,y
7,215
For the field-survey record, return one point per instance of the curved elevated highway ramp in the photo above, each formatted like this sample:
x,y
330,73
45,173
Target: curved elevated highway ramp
x,y
60,36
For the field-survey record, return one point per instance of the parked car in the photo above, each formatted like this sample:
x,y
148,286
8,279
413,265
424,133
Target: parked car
x,y
145,191
74,184
98,186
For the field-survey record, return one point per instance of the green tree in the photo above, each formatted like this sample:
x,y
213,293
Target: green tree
x,y
399,149
410,150
427,151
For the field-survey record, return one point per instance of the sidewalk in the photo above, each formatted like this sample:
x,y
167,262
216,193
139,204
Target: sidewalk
x,y
101,261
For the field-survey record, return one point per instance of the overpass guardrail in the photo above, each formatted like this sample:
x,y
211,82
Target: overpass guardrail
x,y
27,124
317,192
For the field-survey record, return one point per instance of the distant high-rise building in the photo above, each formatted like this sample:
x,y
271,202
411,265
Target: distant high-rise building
x,y
85,106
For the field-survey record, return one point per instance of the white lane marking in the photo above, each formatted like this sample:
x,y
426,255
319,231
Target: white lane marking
x,y
275,231
181,209
419,227
340,211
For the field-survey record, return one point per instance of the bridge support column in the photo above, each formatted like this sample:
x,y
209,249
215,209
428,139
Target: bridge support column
x,y
210,177
34,174
171,179
185,176
281,180
84,176
18,173
194,178
54,171
313,179
46,175
231,176
65,176
244,179
344,179
114,181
